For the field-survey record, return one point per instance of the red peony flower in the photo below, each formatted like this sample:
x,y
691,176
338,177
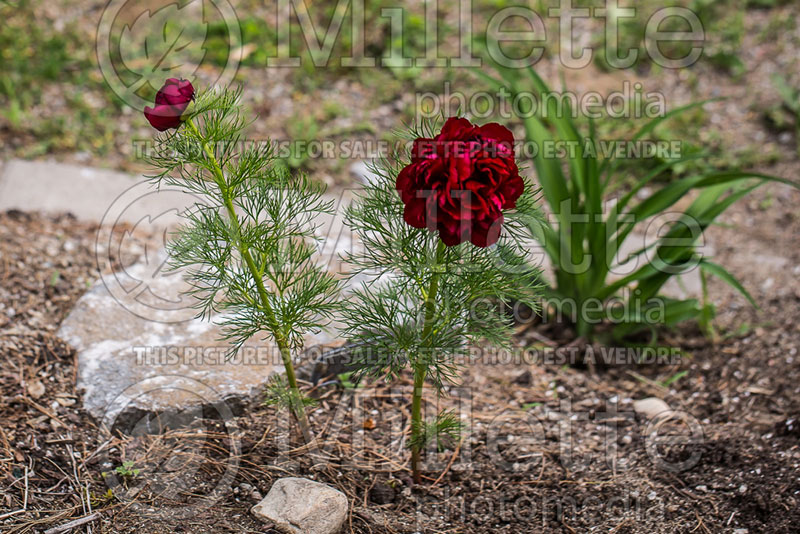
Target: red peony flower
x,y
460,182
171,101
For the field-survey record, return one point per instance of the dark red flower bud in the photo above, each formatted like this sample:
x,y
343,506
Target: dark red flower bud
x,y
171,101
460,182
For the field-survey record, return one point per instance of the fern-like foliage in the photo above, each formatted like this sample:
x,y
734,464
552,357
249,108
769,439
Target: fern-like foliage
x,y
446,429
279,394
251,208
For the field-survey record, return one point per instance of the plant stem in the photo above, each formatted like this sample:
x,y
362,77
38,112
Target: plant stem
x,y
421,366
707,315
582,326
280,338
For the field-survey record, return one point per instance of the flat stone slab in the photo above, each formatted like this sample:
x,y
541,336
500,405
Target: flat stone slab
x,y
141,351
87,193
119,200
303,506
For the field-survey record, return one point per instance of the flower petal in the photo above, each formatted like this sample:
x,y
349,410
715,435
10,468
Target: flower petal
x,y
486,233
461,181
414,213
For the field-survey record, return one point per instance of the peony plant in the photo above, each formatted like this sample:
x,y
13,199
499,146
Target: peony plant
x,y
443,229
248,249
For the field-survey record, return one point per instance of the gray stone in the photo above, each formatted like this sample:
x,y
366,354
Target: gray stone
x,y
88,193
113,198
302,506
335,238
140,350
652,407
361,171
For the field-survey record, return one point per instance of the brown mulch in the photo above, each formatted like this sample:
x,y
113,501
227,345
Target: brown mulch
x,y
545,469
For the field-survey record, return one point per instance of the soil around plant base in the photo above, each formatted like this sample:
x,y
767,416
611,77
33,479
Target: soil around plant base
x,y
550,448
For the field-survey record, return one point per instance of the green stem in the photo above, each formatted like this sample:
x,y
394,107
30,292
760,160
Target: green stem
x,y
707,315
421,365
272,321
584,328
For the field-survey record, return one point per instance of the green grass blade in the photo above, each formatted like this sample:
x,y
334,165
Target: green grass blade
x,y
652,125
720,272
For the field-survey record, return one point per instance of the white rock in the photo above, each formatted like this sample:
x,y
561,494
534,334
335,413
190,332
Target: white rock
x,y
86,192
134,357
652,407
302,506
36,389
361,171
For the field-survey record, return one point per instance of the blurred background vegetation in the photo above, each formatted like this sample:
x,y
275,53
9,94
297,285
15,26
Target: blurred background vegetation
x,y
54,102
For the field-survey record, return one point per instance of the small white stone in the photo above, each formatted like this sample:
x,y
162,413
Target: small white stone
x,y
652,407
302,506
